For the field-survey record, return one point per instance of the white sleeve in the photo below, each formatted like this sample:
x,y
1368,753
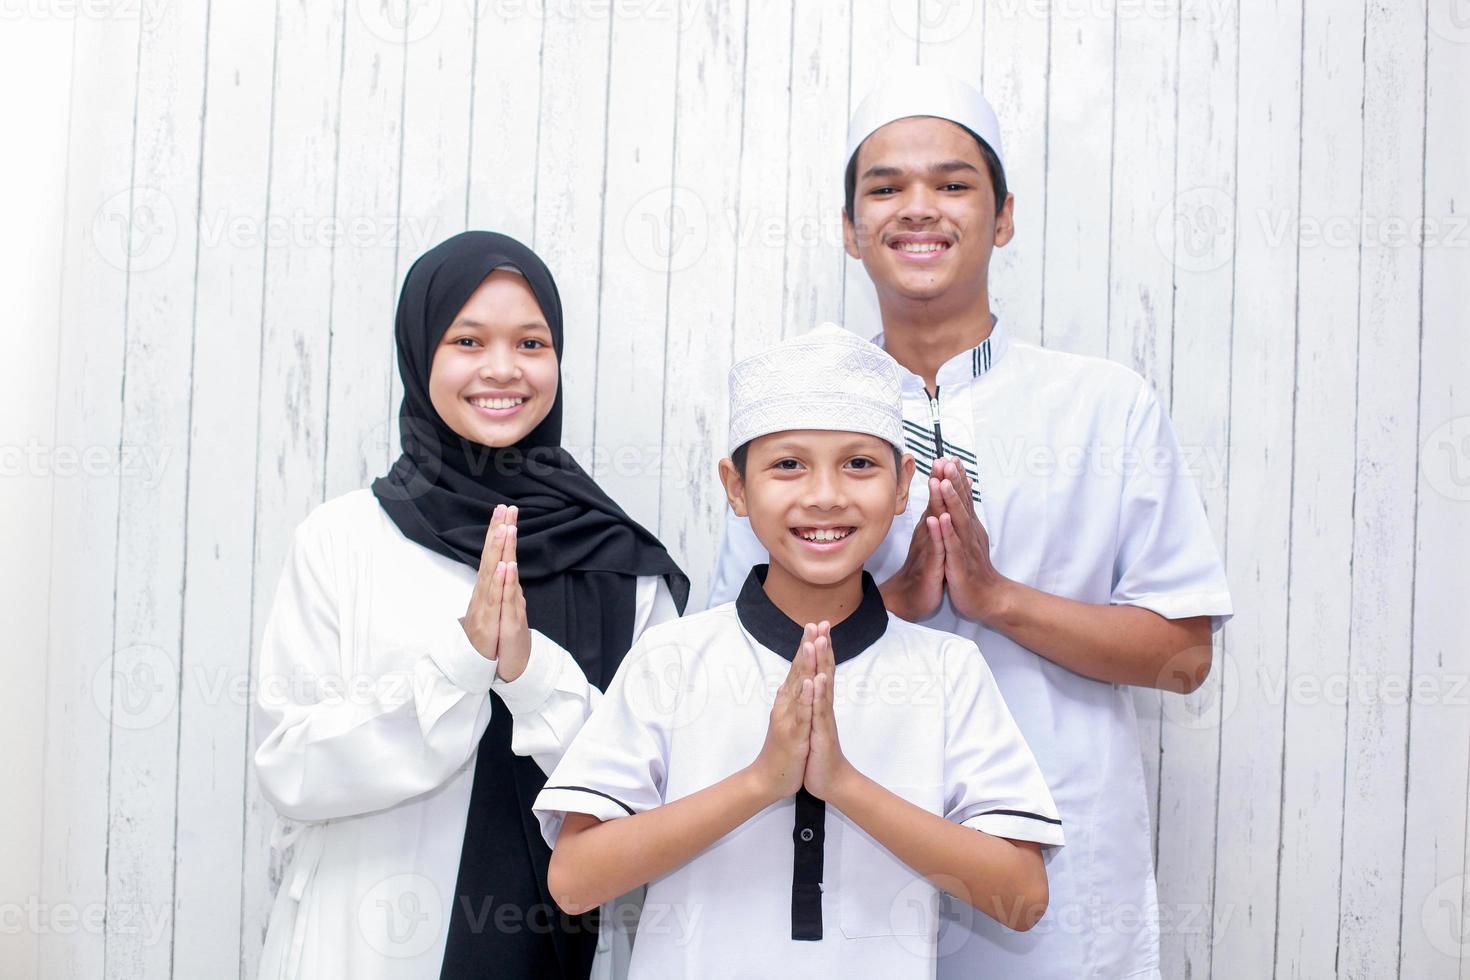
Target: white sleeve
x,y
1166,560
991,779
740,551
338,742
553,698
619,762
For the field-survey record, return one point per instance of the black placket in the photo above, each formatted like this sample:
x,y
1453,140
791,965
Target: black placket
x,y
776,632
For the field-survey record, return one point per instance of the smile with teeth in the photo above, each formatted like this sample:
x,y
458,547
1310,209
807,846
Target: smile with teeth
x,y
496,402
921,246
822,534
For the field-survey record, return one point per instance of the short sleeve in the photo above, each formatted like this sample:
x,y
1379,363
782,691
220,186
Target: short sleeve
x,y
992,781
617,764
1166,558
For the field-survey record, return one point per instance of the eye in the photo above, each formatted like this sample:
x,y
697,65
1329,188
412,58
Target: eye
x,y
955,187
464,342
883,191
788,465
862,463
531,343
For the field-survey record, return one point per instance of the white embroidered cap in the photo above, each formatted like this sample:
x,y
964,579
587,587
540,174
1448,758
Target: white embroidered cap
x,y
917,90
828,379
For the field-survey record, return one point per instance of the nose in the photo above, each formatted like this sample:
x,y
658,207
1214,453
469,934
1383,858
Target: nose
x,y
498,364
920,205
824,491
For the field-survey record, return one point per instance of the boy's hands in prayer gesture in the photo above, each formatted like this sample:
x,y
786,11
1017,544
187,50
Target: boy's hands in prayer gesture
x,y
802,747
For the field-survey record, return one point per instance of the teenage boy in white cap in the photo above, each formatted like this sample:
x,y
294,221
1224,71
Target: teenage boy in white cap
x,y
1052,521
786,790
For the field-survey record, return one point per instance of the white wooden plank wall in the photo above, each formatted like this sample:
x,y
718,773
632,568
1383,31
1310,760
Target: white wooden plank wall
x,y
1225,196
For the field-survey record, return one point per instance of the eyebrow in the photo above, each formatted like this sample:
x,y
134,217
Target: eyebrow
x,y
523,328
943,167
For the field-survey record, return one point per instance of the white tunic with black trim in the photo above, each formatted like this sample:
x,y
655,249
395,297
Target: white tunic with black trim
x,y
371,701
1085,493
799,889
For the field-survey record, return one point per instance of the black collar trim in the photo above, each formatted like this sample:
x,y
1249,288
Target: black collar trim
x,y
777,632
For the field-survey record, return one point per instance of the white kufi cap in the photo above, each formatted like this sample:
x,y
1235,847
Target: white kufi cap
x,y
917,90
828,379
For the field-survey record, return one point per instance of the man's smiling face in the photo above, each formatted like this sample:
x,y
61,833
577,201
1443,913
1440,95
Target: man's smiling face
x,y
924,217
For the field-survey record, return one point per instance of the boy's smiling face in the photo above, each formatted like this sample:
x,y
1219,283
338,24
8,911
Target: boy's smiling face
x,y
925,218
821,502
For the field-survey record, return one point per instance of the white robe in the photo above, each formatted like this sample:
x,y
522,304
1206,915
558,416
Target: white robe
x,y
370,703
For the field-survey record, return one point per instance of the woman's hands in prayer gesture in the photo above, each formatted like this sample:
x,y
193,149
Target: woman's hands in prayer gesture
x,y
496,619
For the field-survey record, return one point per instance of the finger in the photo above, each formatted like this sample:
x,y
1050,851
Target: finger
x,y
936,494
489,551
952,545
936,537
497,594
513,602
954,504
822,701
794,674
508,545
828,663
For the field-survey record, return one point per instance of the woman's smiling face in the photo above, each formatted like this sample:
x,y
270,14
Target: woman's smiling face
x,y
494,373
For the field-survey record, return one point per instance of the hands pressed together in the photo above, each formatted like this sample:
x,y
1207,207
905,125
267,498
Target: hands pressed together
x,y
496,619
801,747
950,550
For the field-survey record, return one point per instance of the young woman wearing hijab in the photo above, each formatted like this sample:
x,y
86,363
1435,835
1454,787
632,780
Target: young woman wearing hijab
x,y
486,560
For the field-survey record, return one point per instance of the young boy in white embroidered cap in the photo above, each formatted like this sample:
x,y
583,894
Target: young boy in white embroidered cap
x,y
794,772
1053,522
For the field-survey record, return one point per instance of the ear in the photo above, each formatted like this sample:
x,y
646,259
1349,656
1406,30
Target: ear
x,y
849,234
734,487
905,480
1005,222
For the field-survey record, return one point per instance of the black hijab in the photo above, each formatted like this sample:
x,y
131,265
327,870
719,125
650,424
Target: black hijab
x,y
579,557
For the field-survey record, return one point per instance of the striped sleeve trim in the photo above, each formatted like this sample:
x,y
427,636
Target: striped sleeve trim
x,y
594,792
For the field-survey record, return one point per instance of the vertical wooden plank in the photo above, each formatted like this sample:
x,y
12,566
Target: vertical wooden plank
x,y
1258,530
143,771
434,181
35,55
819,112
707,138
1195,228
1079,137
365,235
1383,584
293,360
107,227
1435,926
760,222
1322,494
641,238
1140,312
1017,38
884,36
219,514
570,180
506,98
